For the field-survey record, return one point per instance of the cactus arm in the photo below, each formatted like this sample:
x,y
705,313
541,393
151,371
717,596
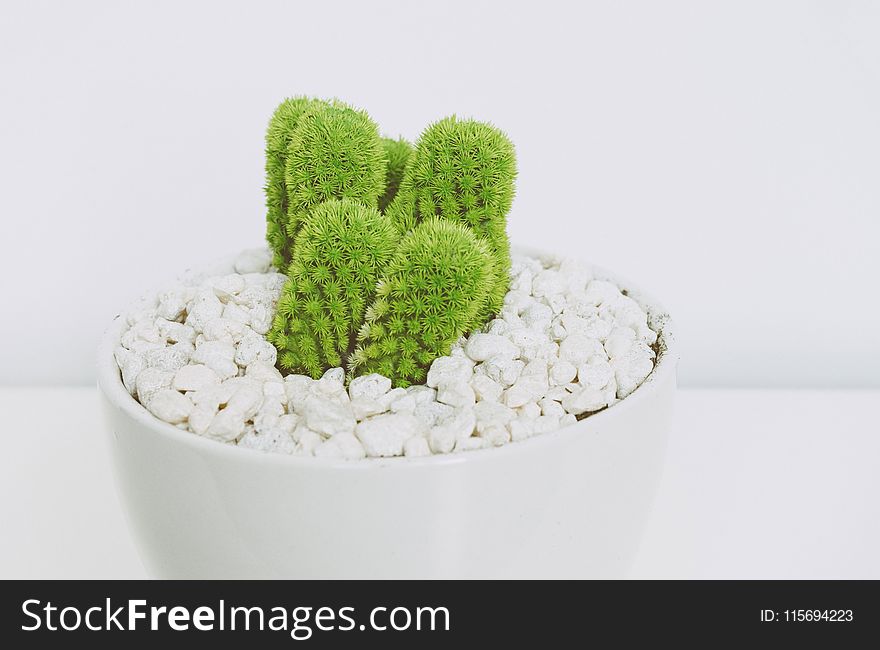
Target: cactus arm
x,y
462,171
432,293
341,250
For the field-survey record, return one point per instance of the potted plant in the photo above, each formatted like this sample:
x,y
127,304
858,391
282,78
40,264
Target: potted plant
x,y
386,329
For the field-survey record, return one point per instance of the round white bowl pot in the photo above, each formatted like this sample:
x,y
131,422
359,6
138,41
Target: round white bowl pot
x,y
567,504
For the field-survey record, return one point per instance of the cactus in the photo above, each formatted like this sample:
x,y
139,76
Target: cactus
x,y
281,127
431,293
463,171
338,255
397,153
333,151
392,253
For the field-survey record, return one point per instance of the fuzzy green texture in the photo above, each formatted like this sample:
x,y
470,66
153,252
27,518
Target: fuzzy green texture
x,y
392,252
432,292
281,127
397,153
339,254
463,171
332,151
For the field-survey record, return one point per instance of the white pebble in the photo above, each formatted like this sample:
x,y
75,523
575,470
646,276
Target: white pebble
x,y
584,401
558,393
433,412
545,424
308,442
486,388
601,291
449,370
495,435
344,445
255,348
131,364
632,368
264,371
566,420
551,407
537,315
521,430
524,391
224,329
503,371
363,408
618,342
228,285
328,417
204,309
369,387
236,314
595,374
562,372
351,447
298,389
194,377
200,419
170,406
172,304
527,340
575,275
169,359
150,381
288,422
548,282
246,400
390,397
492,413
331,385
218,356
274,440
404,404
458,395
498,326
261,319
530,411
384,435
226,426
415,447
174,332
441,439
462,423
485,346
579,348
422,394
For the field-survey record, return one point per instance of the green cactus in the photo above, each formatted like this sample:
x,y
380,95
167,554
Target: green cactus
x,y
431,293
376,292
397,153
464,171
281,127
338,256
332,152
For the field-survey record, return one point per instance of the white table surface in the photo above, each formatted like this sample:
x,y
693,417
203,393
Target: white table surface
x,y
757,484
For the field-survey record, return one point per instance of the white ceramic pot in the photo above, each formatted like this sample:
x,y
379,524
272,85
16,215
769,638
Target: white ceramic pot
x,y
567,504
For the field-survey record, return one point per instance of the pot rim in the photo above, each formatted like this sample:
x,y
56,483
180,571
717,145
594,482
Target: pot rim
x,y
110,385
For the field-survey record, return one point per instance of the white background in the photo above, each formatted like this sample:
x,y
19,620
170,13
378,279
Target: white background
x,y
726,156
